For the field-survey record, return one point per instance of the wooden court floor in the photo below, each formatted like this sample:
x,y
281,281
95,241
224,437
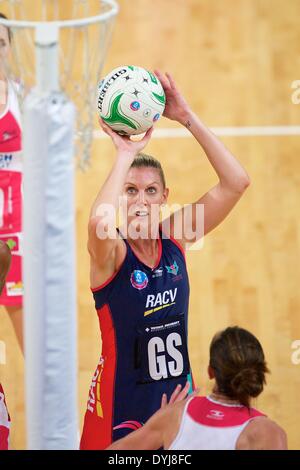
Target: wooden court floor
x,y
235,61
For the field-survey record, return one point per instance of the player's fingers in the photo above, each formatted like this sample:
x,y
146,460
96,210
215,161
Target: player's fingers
x,y
105,127
148,134
175,394
164,81
172,81
183,393
164,400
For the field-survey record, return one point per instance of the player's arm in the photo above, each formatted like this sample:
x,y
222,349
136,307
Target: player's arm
x,y
148,437
262,434
102,234
5,260
233,179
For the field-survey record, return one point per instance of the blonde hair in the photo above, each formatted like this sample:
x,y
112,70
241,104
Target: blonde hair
x,y
142,160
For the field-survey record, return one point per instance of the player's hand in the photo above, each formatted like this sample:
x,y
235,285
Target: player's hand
x,y
179,394
123,144
176,108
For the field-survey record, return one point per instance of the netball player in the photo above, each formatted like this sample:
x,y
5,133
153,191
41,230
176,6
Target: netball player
x,y
10,185
139,277
223,420
5,260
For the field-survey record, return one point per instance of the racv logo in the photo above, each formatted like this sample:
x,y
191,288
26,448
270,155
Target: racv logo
x,y
160,300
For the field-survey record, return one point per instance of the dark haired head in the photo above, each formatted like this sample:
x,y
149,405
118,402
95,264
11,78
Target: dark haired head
x,y
238,362
142,160
8,29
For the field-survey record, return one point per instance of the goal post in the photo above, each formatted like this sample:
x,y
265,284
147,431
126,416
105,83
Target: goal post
x,y
58,113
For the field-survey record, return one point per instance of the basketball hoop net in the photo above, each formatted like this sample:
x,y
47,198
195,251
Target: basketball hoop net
x,y
85,28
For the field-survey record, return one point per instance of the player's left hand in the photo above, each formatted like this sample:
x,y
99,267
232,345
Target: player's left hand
x,y
177,107
179,394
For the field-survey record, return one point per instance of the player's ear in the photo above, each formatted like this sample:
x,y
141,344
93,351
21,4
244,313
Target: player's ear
x,y
165,196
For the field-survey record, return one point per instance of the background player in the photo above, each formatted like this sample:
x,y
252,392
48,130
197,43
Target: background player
x,y
225,419
10,185
5,261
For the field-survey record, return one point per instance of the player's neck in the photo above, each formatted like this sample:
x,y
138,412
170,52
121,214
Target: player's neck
x,y
222,398
144,246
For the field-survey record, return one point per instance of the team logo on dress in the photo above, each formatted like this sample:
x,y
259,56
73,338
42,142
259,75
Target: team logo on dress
x,y
135,105
139,279
173,269
215,414
14,289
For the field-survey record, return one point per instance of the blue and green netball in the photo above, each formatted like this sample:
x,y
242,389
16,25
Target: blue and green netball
x,y
130,99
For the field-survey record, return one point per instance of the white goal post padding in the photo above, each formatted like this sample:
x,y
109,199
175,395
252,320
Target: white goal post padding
x,y
50,272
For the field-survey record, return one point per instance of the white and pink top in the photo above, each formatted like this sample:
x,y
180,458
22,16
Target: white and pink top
x,y
207,424
4,422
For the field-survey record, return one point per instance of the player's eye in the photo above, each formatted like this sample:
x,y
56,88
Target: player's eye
x,y
2,43
131,190
151,190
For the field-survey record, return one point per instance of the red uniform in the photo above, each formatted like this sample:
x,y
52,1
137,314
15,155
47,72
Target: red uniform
x,y
4,422
11,194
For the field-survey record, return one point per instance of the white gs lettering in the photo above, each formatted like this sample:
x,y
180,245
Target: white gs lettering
x,y
158,366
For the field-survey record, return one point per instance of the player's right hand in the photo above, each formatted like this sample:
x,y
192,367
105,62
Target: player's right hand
x,y
124,145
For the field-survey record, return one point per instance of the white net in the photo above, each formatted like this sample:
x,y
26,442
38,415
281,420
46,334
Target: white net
x,y
82,49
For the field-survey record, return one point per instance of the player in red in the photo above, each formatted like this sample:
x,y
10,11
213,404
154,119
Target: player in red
x,y
10,185
224,420
5,260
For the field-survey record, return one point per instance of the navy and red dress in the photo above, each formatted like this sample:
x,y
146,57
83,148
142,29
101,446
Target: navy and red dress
x,y
143,321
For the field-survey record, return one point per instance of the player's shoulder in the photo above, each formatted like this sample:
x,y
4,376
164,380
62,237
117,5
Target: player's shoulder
x,y
263,434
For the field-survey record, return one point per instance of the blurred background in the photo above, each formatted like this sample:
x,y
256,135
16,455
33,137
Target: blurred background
x,y
235,62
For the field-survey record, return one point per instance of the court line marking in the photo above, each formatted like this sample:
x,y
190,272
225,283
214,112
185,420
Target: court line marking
x,y
254,131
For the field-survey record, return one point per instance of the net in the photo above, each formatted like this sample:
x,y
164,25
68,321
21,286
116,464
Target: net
x,y
85,28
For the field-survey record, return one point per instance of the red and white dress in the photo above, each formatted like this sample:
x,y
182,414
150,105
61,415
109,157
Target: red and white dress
x,y
4,422
209,425
11,194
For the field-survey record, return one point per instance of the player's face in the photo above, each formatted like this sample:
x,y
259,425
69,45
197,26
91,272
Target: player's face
x,y
143,196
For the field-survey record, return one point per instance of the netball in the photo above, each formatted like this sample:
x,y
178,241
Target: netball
x,y
130,99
